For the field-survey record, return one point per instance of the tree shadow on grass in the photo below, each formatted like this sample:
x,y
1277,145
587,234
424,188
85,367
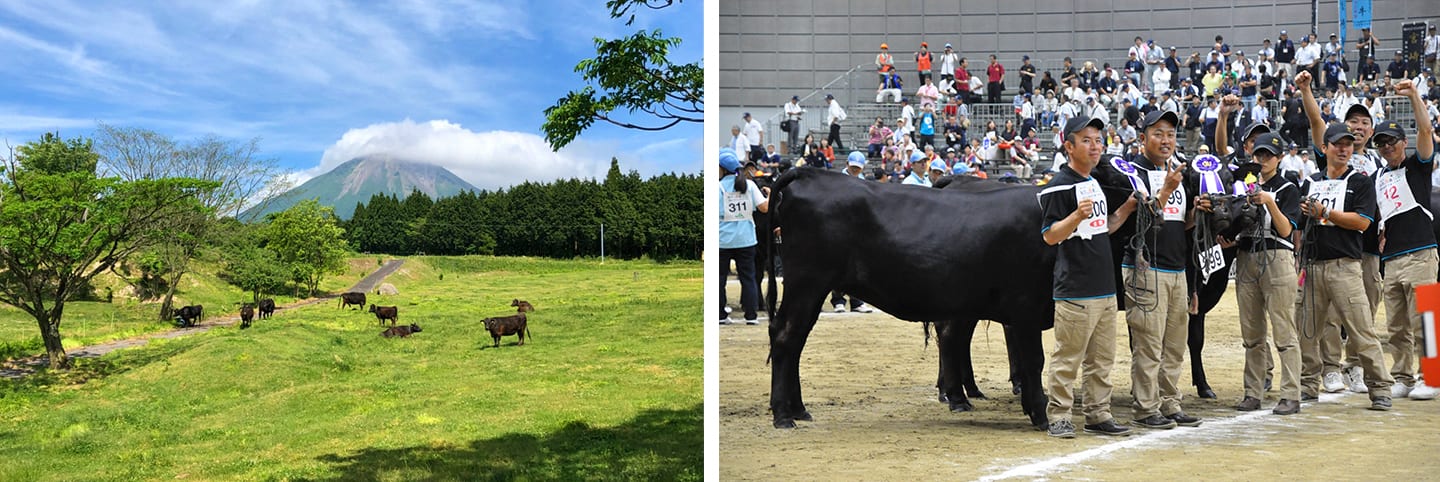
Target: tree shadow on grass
x,y
658,444
89,367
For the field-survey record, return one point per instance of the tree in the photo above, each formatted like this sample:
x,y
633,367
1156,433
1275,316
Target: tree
x,y
61,225
632,73
308,241
241,174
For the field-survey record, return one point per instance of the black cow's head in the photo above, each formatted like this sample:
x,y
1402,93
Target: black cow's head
x,y
414,328
373,308
1232,214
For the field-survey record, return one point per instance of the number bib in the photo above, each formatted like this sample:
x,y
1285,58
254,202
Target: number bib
x,y
1211,260
1330,193
737,207
1175,205
1096,222
1393,195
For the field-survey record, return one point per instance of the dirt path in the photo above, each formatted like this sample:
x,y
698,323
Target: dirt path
x,y
869,382
25,366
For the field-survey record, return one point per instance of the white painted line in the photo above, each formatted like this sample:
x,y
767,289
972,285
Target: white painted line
x,y
1147,438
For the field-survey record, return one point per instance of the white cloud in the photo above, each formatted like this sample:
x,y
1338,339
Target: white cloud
x,y
488,160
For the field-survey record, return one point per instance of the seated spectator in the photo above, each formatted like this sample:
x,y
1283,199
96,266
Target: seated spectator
x,y
954,133
928,94
890,87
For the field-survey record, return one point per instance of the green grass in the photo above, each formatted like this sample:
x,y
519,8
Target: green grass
x,y
609,388
90,322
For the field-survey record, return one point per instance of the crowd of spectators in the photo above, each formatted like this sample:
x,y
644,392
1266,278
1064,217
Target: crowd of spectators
x,y
936,122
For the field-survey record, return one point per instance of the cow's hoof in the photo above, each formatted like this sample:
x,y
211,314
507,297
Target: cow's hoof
x,y
784,423
804,416
1040,422
1205,392
943,398
961,406
1015,388
975,394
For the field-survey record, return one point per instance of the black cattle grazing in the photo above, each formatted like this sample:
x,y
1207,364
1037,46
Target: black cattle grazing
x,y
190,315
522,306
984,258
267,308
507,325
357,299
401,331
383,313
247,313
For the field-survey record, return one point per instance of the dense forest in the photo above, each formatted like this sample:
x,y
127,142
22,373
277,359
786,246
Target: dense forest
x,y
658,217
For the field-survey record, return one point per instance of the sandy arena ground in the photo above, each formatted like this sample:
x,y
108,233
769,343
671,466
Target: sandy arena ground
x,y
868,380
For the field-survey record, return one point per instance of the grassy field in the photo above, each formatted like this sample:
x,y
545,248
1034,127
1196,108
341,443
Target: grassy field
x,y
609,388
90,322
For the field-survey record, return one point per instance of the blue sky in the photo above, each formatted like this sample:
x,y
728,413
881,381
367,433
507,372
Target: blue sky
x,y
456,83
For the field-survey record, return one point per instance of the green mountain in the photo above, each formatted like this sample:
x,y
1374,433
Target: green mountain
x,y
358,179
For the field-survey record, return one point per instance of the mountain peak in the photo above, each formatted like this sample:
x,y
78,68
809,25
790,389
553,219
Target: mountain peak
x,y
358,179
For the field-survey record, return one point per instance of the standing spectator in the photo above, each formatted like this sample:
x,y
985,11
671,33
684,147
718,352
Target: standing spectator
x,y
1027,75
1154,62
1212,81
1334,47
1027,110
1249,87
1266,50
1293,166
927,126
1432,50
1172,65
1194,119
1396,70
962,81
878,134
1334,73
1047,107
739,143
739,198
1210,118
948,60
1307,59
884,62
1068,110
1260,114
1188,94
1084,287
1137,52
889,88
1222,48
1134,67
996,73
1422,83
1047,83
1168,103
928,94
1285,53
922,62
1197,69
755,133
1366,44
793,112
834,116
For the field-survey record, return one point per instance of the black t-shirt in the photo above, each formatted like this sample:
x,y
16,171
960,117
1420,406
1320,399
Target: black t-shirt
x,y
1331,241
1287,197
1025,80
1370,240
1397,70
1083,267
1250,90
1410,230
1168,251
1067,74
1285,52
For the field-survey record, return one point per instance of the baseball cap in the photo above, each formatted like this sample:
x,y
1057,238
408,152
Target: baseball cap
x,y
829,96
1282,32
916,157
794,97
923,44
1253,129
1269,141
1157,116
1027,57
856,158
1076,124
729,160
746,116
884,46
1356,109
1390,128
1172,47
960,168
947,45
1333,35
1337,131
938,165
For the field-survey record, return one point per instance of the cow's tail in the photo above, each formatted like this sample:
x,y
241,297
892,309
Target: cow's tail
x,y
776,195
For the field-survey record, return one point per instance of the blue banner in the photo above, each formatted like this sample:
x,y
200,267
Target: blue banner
x,y
1344,10
1361,19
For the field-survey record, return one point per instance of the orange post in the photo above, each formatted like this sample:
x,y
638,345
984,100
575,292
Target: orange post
x,y
1427,300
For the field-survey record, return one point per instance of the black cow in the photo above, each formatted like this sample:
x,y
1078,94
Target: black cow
x,y
383,313
267,308
984,258
247,313
189,315
401,331
507,325
353,298
522,306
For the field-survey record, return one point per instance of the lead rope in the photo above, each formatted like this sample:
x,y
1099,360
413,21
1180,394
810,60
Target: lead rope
x,y
1143,248
1308,326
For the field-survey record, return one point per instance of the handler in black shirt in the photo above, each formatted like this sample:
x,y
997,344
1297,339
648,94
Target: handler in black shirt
x,y
1075,217
1265,282
1341,202
1402,193
1157,308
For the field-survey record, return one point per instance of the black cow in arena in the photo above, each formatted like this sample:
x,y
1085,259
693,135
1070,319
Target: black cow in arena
x,y
353,298
267,308
383,313
984,259
507,325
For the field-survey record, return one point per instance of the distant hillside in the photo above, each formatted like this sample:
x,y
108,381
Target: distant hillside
x,y
358,179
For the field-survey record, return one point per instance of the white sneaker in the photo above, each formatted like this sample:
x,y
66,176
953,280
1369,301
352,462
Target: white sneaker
x,y
725,321
864,308
840,308
1399,390
1421,391
1355,377
1334,383
752,322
